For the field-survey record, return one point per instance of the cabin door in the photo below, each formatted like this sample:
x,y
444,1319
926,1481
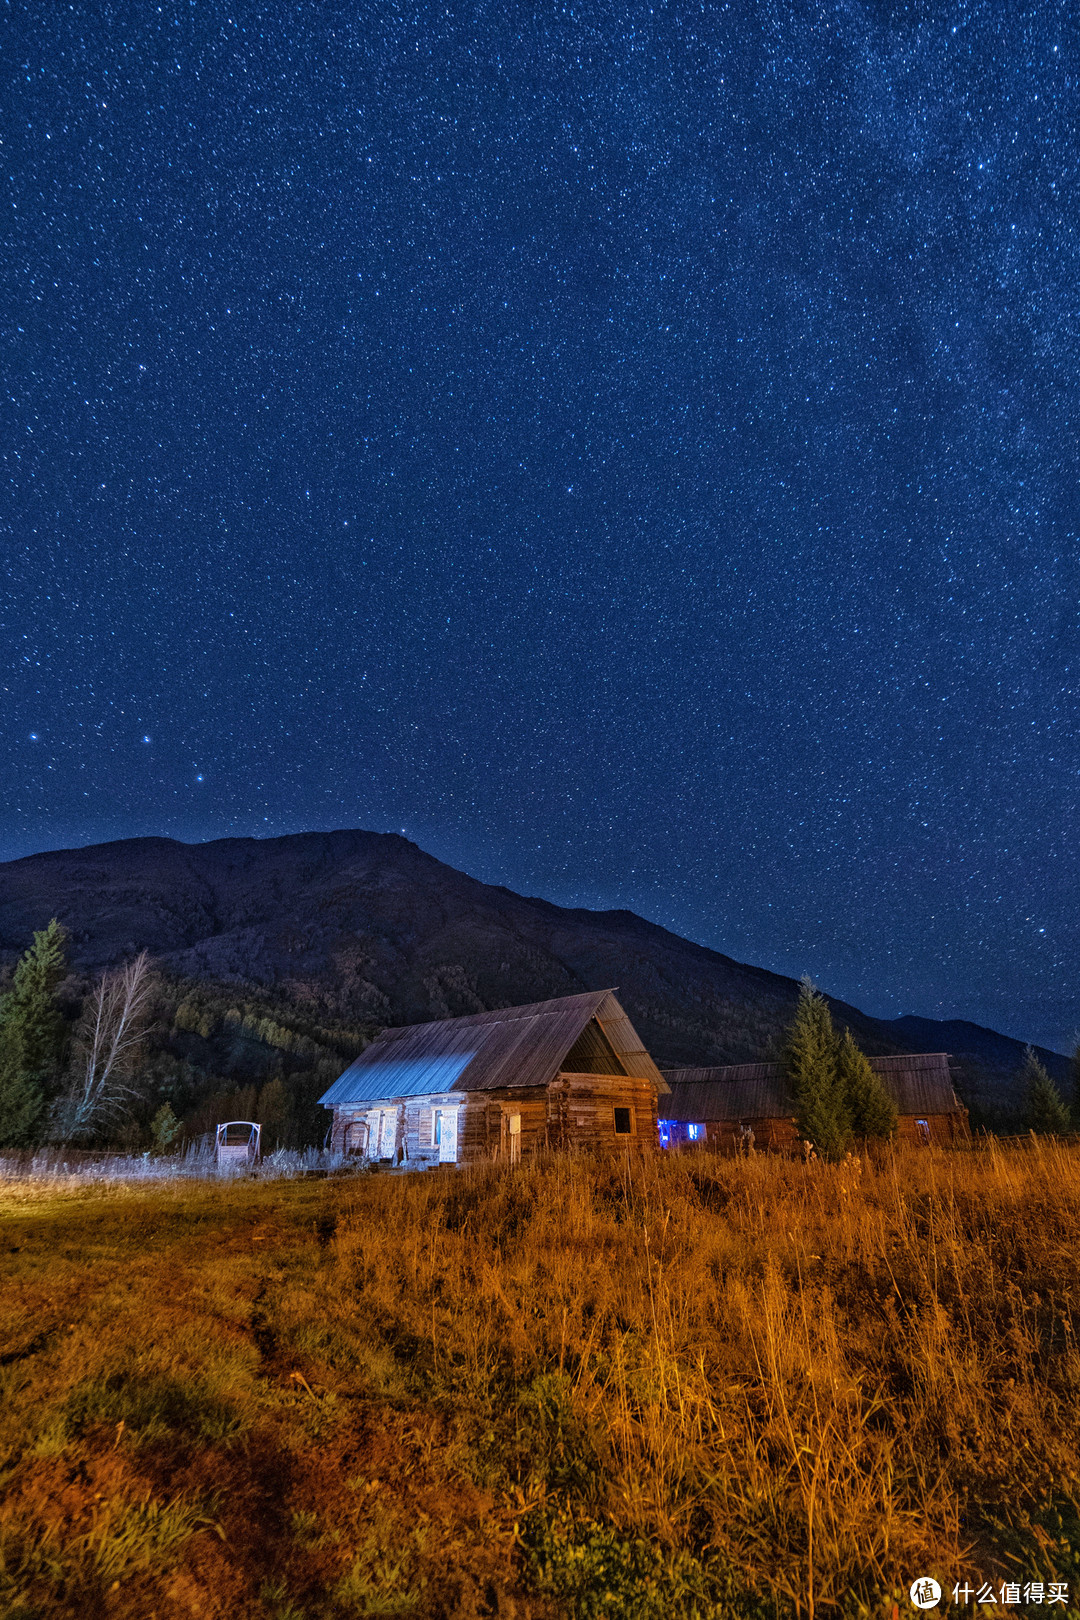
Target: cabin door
x,y
387,1133
514,1128
448,1136
356,1136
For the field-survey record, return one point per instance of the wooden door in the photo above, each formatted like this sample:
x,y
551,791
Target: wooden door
x,y
448,1136
356,1136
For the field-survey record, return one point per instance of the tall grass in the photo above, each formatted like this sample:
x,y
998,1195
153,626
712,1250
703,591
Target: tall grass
x,y
76,1169
680,1386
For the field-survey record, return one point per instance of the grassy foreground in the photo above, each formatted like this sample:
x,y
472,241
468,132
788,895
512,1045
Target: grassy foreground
x,y
689,1387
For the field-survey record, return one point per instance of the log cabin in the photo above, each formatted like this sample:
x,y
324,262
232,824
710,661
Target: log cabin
x,y
569,1073
745,1105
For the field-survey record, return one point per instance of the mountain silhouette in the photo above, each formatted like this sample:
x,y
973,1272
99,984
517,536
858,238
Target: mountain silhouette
x,y
367,928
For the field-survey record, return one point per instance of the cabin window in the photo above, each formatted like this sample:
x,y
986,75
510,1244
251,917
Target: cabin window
x,y
665,1132
695,1133
923,1128
436,1127
623,1123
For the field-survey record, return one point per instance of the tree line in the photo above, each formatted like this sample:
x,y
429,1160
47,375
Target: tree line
x,y
836,1093
839,1098
80,1083
70,1083
54,1084
138,1060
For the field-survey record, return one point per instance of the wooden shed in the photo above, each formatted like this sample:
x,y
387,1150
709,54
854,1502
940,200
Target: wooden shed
x,y
748,1104
500,1085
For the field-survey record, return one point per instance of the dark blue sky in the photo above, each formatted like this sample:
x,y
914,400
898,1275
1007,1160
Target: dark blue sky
x,y
631,449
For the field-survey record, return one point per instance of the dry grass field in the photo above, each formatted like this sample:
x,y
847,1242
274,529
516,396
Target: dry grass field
x,y
689,1387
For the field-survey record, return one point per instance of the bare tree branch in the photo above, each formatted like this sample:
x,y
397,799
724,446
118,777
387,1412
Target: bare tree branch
x,y
113,1024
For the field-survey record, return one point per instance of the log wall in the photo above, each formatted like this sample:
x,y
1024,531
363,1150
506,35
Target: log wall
x,y
772,1135
575,1111
581,1112
943,1127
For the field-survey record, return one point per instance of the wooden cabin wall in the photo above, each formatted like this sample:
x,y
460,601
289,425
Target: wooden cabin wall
x,y
944,1128
413,1129
421,1152
365,1115
581,1112
343,1118
485,1132
483,1120
575,1111
771,1135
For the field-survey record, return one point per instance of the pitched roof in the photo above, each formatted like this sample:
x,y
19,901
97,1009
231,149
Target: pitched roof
x,y
919,1082
513,1046
700,1100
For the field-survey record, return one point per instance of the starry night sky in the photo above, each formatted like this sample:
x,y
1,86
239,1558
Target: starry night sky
x,y
629,448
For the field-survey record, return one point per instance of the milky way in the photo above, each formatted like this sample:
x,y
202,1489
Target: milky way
x,y
630,449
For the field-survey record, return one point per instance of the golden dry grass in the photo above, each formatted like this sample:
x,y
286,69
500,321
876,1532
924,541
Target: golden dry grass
x,y
683,1387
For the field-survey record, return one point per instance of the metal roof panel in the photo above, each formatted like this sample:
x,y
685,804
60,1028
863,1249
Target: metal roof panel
x,y
398,1077
511,1046
919,1082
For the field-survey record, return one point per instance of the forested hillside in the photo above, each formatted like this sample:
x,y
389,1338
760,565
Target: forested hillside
x,y
277,958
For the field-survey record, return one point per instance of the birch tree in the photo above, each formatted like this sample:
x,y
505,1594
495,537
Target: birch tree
x,y
112,1026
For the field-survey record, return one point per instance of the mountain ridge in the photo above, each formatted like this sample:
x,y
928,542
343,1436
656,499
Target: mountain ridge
x,y
369,927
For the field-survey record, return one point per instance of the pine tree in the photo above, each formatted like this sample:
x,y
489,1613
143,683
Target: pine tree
x,y
31,1004
22,1103
1044,1111
870,1106
164,1128
32,1038
810,1062
1074,1068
